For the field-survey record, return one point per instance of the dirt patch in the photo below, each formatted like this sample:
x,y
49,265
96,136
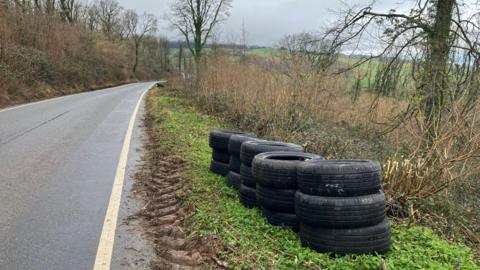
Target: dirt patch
x,y
158,182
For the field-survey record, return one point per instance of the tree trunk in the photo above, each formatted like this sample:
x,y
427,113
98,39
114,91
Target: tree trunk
x,y
165,58
198,22
198,50
180,55
184,63
50,6
436,77
137,47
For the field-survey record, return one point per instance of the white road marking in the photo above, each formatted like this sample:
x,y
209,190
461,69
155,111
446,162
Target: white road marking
x,y
52,99
28,104
105,246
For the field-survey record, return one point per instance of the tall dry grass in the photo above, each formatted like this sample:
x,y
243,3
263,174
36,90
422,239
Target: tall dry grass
x,y
290,101
284,99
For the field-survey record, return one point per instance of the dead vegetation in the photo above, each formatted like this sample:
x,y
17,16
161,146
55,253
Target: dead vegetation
x,y
43,54
159,182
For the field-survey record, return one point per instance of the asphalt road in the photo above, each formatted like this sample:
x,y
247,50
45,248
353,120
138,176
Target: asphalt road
x,y
58,161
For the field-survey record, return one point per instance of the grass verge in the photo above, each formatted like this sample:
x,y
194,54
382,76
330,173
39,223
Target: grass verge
x,y
249,241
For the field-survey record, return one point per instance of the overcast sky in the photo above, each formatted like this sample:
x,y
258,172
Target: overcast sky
x,y
266,21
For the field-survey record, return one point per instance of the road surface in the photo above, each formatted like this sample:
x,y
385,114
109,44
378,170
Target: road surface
x,y
58,162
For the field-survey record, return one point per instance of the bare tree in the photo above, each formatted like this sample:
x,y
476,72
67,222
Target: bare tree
x,y
92,18
47,6
109,12
50,6
164,53
38,5
137,28
70,10
196,19
156,53
438,40
317,51
23,5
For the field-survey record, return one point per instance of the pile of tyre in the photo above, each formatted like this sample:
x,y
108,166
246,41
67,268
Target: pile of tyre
x,y
234,145
248,151
218,141
336,205
275,174
341,207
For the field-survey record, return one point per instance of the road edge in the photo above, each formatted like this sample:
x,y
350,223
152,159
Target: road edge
x,y
105,247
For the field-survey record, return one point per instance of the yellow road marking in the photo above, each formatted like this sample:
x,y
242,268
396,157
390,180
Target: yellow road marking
x,y
105,246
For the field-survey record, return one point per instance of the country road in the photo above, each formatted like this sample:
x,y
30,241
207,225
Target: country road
x,y
58,164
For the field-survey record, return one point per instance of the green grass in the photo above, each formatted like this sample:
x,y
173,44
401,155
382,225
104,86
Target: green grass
x,y
251,241
264,52
369,70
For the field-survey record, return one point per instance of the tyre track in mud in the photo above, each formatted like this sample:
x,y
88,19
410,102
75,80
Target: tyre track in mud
x,y
158,182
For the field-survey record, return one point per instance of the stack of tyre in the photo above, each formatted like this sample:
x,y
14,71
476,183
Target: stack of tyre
x,y
234,146
340,206
218,141
276,183
337,205
248,151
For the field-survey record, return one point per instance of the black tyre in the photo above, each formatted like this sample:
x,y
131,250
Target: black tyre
x,y
248,196
279,169
235,163
247,176
340,212
282,200
250,149
365,240
221,156
286,220
219,139
233,180
339,178
219,167
235,143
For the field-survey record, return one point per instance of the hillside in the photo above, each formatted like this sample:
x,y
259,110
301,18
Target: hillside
x,y
44,55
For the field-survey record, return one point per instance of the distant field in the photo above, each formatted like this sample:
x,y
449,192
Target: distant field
x,y
266,52
364,74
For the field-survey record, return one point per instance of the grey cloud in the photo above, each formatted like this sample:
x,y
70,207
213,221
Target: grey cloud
x,y
266,21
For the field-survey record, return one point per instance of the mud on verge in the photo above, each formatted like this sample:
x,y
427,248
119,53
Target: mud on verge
x,y
158,182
